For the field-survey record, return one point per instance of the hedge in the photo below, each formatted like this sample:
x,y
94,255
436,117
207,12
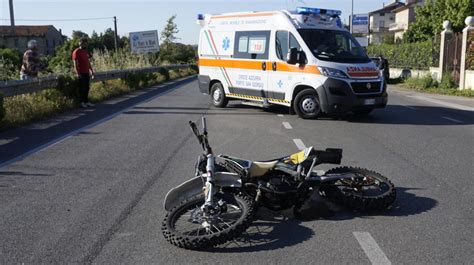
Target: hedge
x,y
406,55
470,52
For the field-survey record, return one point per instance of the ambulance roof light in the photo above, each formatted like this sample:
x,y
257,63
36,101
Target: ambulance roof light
x,y
200,17
319,11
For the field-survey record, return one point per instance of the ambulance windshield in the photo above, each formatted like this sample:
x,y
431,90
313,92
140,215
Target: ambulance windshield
x,y
334,46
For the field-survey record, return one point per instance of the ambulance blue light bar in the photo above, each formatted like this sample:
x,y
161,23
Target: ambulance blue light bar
x,y
317,11
200,17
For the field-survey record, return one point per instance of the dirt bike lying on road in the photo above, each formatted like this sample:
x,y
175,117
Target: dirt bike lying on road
x,y
219,203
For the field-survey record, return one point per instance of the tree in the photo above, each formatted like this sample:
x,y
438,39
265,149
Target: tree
x,y
430,17
77,34
10,64
179,53
168,34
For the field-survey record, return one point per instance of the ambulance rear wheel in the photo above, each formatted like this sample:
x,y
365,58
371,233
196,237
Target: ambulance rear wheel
x,y
218,96
306,104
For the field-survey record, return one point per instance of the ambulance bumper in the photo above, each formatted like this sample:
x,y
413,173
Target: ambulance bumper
x,y
339,96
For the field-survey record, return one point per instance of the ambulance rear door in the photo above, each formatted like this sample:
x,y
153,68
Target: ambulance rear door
x,y
250,64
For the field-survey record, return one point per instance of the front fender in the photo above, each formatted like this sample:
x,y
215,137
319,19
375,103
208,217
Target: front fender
x,y
194,187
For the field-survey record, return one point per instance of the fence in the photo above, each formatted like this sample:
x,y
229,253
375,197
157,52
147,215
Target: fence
x,y
19,87
452,56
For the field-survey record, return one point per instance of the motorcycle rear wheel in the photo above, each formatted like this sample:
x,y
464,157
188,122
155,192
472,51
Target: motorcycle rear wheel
x,y
225,227
375,192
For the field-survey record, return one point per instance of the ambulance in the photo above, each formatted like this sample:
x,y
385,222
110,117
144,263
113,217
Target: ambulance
x,y
303,59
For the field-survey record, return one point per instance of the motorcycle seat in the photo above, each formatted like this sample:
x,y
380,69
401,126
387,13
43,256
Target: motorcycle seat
x,y
254,168
258,169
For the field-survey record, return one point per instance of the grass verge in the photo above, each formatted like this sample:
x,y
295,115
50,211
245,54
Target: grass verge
x,y
427,84
23,109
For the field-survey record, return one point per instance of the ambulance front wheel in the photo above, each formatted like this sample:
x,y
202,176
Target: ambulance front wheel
x,y
218,96
306,104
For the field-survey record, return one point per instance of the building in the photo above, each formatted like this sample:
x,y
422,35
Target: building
x,y
379,21
17,37
404,15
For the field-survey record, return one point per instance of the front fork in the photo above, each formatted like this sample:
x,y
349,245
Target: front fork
x,y
209,186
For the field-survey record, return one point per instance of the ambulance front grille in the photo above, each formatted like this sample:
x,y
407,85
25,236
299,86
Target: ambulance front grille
x,y
366,87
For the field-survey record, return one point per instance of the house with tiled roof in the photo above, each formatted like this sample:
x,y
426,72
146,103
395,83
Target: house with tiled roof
x,y
17,37
379,21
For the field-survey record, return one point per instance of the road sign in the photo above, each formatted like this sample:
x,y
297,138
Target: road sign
x,y
144,41
360,24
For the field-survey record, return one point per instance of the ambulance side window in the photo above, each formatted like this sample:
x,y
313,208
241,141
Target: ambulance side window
x,y
282,44
251,44
294,43
285,41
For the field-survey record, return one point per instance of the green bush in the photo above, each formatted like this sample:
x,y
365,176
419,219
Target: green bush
x,y
447,82
23,109
420,83
69,86
406,55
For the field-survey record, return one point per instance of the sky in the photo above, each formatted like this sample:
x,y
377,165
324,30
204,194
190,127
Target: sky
x,y
141,15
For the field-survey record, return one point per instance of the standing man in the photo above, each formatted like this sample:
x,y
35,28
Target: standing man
x,y
84,71
384,68
31,63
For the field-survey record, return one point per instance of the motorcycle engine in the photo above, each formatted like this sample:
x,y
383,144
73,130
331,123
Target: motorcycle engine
x,y
280,193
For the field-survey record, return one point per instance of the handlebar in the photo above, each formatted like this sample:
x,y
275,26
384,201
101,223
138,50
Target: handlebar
x,y
204,126
202,138
194,128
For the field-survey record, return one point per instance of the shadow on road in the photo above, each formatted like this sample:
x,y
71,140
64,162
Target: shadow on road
x,y
22,140
273,230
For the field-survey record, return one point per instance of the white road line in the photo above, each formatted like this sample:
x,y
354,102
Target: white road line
x,y
409,107
287,125
280,115
299,144
451,119
371,248
439,102
64,137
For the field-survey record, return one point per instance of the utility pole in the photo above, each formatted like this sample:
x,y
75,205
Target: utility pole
x,y
352,16
115,31
12,17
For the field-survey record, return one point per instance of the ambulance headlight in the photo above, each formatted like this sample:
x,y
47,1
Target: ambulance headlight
x,y
332,72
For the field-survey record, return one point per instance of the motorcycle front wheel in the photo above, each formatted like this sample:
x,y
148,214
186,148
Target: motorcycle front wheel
x,y
367,191
186,225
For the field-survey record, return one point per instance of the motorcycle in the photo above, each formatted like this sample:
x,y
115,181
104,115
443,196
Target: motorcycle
x,y
219,203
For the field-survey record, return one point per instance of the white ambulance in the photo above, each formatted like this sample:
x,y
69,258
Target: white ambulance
x,y
303,59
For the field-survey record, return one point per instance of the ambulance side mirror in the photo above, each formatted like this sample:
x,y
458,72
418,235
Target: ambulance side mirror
x,y
292,56
302,59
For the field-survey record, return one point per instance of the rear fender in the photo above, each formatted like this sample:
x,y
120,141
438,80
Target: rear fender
x,y
194,187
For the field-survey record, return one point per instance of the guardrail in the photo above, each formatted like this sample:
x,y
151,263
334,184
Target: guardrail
x,y
19,87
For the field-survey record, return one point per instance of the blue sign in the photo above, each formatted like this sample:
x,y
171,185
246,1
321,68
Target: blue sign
x,y
360,23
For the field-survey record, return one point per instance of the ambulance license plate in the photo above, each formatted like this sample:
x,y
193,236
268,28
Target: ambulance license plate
x,y
369,101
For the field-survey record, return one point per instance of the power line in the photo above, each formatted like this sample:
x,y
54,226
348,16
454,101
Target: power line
x,y
64,20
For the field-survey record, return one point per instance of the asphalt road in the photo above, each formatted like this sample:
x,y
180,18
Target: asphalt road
x,y
88,186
